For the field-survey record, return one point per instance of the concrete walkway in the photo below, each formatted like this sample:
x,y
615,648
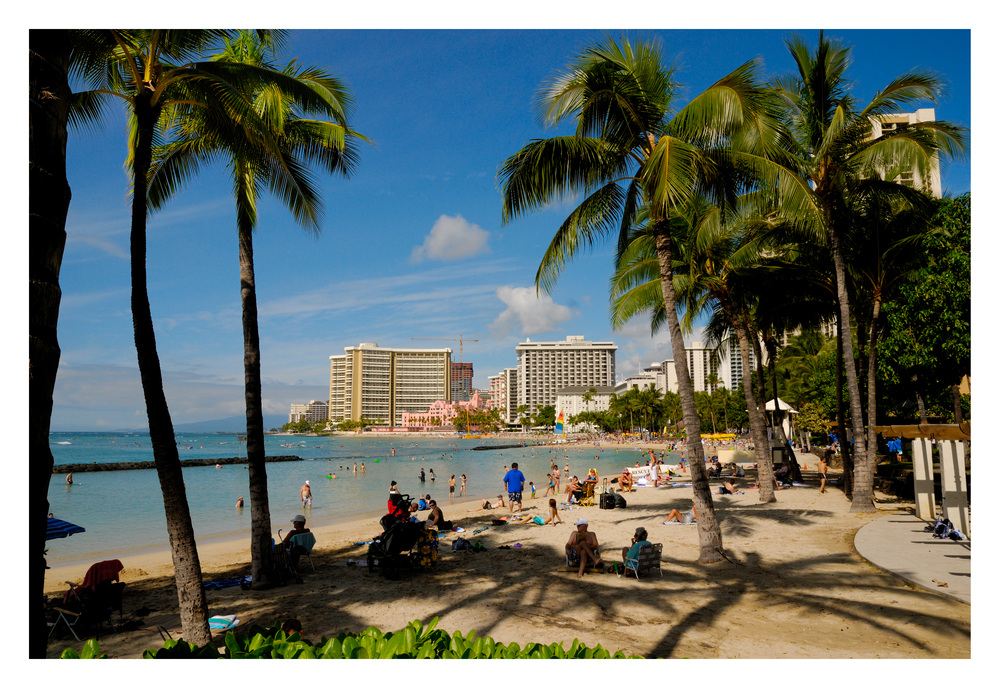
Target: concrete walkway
x,y
898,544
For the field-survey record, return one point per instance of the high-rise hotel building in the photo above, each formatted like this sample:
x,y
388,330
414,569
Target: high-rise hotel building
x,y
381,384
544,368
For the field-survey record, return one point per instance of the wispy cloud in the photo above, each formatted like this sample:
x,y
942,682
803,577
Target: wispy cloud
x,y
452,238
528,311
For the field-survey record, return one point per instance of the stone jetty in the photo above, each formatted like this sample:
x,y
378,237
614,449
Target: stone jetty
x,y
146,465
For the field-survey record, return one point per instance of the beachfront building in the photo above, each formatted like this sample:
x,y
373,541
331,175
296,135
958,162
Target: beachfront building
x,y
461,381
498,394
381,384
543,368
886,124
570,402
312,412
662,376
509,410
442,413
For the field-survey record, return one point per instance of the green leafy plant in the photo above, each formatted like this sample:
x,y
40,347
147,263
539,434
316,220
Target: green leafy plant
x,y
91,650
416,640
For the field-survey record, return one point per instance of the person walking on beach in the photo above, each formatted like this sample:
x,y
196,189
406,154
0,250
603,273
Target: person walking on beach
x,y
305,493
551,488
514,480
823,465
555,479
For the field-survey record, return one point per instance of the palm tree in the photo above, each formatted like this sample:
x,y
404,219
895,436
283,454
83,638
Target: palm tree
x,y
628,152
522,413
155,73
719,267
49,99
833,148
283,103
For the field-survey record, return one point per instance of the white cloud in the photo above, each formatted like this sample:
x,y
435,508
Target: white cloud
x,y
452,238
532,312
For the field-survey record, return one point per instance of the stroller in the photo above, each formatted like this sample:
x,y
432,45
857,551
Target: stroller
x,y
392,548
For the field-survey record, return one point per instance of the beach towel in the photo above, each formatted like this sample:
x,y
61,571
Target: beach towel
x,y
223,623
226,583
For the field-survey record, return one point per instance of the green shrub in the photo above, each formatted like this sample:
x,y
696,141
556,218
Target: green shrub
x,y
414,641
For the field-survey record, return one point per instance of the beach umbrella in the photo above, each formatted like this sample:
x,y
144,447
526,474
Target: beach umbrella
x,y
59,529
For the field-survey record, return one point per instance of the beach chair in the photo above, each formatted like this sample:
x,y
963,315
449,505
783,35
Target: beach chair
x,y
588,495
88,609
98,573
573,559
647,560
306,541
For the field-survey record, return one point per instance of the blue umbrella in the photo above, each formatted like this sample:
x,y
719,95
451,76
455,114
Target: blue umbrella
x,y
60,529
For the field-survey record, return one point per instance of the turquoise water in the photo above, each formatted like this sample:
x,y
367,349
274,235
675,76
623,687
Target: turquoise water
x,y
123,510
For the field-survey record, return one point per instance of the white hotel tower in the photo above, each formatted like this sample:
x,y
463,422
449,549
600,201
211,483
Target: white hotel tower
x,y
544,368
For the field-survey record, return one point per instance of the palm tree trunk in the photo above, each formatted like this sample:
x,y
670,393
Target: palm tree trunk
x,y
758,431
867,471
862,499
709,533
183,550
48,202
260,512
845,448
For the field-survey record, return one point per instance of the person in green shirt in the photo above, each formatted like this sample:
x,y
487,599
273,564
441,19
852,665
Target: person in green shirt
x,y
637,542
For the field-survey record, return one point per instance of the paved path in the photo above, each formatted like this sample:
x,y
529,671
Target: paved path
x,y
898,544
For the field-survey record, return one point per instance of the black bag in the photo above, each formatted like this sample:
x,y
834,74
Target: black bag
x,y
620,502
607,501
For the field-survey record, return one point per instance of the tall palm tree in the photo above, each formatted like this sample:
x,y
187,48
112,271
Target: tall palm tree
x,y
156,73
284,103
834,149
628,151
719,268
49,99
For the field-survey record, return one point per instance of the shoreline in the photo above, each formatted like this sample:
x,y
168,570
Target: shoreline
x,y
792,560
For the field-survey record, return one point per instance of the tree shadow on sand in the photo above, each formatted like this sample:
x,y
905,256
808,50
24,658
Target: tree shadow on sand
x,y
523,582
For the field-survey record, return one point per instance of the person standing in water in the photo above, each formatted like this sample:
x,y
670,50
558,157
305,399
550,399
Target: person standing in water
x,y
69,478
305,494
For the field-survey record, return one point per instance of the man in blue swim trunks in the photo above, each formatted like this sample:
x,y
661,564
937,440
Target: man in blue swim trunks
x,y
514,480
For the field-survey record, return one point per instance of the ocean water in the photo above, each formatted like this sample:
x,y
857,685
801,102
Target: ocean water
x,y
122,511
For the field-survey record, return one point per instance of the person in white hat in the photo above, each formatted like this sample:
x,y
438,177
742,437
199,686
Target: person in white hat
x,y
298,527
584,544
307,496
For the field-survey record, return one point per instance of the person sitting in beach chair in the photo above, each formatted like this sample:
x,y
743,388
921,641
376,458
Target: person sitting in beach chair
x,y
292,546
582,547
638,540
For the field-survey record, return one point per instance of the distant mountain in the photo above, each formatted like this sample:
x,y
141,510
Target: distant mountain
x,y
231,424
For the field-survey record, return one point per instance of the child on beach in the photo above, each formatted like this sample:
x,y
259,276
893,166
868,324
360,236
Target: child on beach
x,y
532,486
551,488
553,516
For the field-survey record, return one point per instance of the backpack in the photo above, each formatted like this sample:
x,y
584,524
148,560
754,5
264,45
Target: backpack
x,y
943,529
620,502
460,544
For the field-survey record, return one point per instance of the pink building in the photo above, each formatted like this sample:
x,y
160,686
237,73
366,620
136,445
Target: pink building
x,y
443,411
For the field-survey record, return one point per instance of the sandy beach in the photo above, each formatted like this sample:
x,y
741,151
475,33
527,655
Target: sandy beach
x,y
791,587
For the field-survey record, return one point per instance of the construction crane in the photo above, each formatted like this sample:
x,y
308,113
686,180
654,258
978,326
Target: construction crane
x,y
461,340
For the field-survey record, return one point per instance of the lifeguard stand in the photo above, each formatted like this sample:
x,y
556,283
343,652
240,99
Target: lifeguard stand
x,y
950,441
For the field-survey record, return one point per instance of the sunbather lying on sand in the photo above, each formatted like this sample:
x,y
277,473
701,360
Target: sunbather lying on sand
x,y
686,518
486,505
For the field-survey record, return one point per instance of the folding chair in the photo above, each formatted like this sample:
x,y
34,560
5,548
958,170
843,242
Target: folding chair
x,y
647,559
588,495
306,541
94,608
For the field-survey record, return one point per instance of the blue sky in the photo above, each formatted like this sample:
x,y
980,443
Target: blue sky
x,y
411,246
